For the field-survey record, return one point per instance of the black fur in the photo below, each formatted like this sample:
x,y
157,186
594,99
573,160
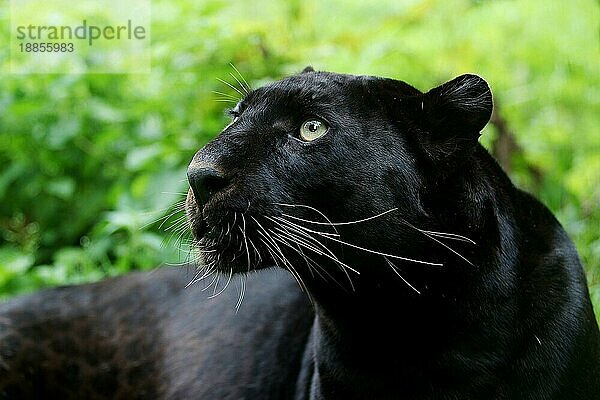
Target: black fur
x,y
500,312
144,336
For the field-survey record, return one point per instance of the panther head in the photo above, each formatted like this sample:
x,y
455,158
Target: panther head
x,y
330,175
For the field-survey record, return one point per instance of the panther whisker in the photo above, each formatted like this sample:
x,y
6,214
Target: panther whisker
x,y
297,246
245,240
269,250
176,194
185,246
255,249
206,274
263,232
218,259
185,238
203,271
232,97
179,207
349,244
307,245
341,223
333,257
313,265
449,248
395,269
285,261
179,243
437,241
452,236
274,256
177,223
239,83
288,225
224,287
381,253
293,270
231,86
172,239
186,261
242,293
283,241
229,226
320,234
186,249
248,87
305,228
429,234
182,229
310,208
305,237
190,255
226,101
175,264
343,267
316,265
216,284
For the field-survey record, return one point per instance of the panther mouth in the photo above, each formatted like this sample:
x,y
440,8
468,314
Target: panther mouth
x,y
228,241
233,241
228,235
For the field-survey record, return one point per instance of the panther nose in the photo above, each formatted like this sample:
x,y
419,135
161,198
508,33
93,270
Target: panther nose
x,y
205,181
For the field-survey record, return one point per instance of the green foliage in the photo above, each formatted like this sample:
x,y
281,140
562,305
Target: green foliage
x,y
90,161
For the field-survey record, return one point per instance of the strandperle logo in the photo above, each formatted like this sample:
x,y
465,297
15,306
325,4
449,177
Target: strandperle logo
x,y
90,33
89,36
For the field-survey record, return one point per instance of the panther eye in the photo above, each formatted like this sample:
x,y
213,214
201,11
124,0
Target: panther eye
x,y
313,129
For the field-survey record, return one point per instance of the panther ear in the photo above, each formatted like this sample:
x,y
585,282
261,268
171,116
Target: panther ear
x,y
308,69
458,109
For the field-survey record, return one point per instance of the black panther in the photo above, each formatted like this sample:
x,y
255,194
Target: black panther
x,y
379,252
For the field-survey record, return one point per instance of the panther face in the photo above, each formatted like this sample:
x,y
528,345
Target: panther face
x,y
323,173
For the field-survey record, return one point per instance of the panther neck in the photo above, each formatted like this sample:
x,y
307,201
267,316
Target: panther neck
x,y
365,342
387,337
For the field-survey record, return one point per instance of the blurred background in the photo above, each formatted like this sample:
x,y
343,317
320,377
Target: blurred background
x,y
92,166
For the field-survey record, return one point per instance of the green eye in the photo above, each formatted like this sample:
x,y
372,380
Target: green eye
x,y
313,129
